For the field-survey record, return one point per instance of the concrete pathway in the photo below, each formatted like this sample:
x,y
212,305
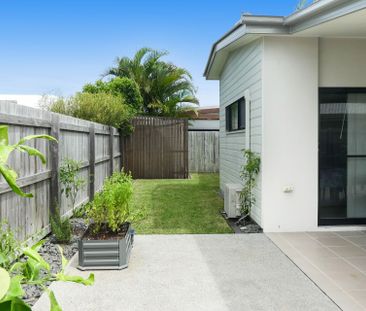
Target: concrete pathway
x,y
194,273
335,261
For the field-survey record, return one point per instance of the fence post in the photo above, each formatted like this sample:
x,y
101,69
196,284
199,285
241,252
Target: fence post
x,y
186,164
111,154
121,149
54,156
91,162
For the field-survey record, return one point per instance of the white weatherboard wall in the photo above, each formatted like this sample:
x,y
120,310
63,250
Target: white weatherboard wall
x,y
342,62
243,71
290,134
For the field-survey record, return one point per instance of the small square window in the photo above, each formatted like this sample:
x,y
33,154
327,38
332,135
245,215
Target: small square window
x,y
235,116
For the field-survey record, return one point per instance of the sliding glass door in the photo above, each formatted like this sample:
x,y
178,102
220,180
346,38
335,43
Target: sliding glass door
x,y
342,156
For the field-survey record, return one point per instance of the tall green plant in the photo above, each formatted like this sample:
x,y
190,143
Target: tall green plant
x,y
125,87
166,89
249,174
60,227
10,248
111,206
6,149
71,182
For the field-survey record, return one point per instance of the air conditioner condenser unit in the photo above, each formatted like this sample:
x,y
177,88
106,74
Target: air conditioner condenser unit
x,y
232,200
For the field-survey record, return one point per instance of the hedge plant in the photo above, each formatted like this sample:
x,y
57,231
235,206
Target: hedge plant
x,y
111,207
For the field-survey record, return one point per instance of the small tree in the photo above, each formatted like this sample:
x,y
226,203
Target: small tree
x,y
71,182
248,174
125,87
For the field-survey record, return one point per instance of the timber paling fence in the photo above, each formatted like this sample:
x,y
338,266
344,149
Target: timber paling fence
x,y
203,149
157,148
96,146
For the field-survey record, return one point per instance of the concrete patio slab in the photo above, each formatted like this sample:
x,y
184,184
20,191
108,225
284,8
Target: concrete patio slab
x,y
335,261
193,273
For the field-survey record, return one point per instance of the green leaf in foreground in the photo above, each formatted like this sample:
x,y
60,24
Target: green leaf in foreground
x,y
36,257
4,283
15,288
75,279
14,304
53,301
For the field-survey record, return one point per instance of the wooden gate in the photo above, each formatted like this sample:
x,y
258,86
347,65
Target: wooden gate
x,y
157,149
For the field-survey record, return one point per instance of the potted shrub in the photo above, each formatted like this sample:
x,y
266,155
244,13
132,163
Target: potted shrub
x,y
108,241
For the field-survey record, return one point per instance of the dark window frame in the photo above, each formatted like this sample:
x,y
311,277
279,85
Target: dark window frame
x,y
241,125
322,93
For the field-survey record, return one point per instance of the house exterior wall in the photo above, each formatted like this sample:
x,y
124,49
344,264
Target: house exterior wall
x,y
283,75
290,134
242,72
342,62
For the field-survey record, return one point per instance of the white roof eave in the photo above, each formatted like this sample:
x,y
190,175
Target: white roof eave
x,y
251,26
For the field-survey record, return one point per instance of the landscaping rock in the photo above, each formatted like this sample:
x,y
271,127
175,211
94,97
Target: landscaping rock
x,y
251,228
50,253
246,226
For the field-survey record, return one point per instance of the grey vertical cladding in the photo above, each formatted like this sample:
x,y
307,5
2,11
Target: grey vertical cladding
x,y
243,71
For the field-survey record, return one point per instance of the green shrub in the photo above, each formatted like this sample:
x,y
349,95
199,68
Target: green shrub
x,y
102,108
249,174
111,207
125,87
60,227
10,247
71,182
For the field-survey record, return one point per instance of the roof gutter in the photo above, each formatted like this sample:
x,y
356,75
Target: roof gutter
x,y
319,12
246,20
312,10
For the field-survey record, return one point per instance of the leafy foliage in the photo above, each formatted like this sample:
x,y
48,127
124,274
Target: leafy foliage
x,y
304,3
71,182
10,248
125,87
6,149
249,174
15,274
29,272
167,90
103,108
60,227
111,206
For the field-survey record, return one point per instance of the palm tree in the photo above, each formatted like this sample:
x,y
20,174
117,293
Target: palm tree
x,y
166,89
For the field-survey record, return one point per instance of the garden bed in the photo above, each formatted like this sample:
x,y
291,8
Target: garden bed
x,y
51,254
105,250
247,226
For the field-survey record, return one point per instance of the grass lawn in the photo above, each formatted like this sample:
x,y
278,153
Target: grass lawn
x,y
179,206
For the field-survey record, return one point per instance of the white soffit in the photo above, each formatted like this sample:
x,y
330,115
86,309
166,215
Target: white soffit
x,y
324,18
351,25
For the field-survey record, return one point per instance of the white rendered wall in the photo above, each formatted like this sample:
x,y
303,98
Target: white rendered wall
x,y
342,62
290,134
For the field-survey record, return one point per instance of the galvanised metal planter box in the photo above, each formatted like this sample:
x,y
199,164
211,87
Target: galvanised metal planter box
x,y
105,254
